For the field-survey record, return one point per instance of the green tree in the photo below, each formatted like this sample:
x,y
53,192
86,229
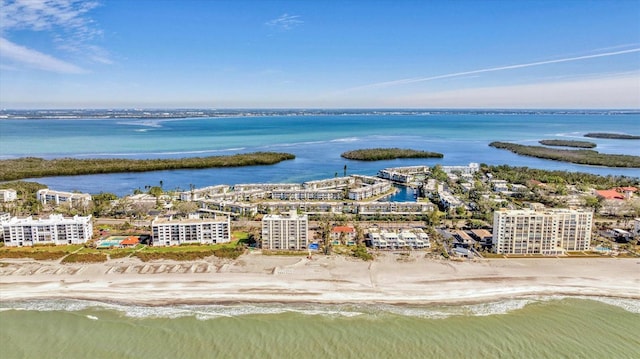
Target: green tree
x,y
156,191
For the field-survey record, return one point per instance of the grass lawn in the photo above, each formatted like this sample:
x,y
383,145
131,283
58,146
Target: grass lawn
x,y
39,252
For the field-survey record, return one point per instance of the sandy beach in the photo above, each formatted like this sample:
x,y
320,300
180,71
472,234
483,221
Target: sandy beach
x,y
254,277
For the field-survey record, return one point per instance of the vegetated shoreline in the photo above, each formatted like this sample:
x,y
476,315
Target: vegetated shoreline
x,y
377,154
583,157
31,167
568,143
616,136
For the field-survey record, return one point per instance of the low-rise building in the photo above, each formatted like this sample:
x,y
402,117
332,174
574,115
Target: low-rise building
x,y
8,195
192,230
343,234
463,170
55,229
51,197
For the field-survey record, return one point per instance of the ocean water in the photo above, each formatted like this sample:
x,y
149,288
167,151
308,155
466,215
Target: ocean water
x,y
517,328
316,140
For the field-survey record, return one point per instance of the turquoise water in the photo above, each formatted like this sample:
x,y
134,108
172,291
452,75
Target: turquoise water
x,y
316,140
519,328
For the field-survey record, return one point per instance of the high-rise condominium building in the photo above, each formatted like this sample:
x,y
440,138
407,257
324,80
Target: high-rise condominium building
x,y
548,232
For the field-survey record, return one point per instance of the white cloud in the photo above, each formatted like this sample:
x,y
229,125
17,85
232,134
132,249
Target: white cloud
x,y
67,21
35,59
619,91
285,22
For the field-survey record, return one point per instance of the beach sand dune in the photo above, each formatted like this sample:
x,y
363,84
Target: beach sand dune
x,y
254,277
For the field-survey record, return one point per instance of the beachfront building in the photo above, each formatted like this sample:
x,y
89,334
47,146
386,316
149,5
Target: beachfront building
x,y
56,198
8,195
285,232
55,229
193,230
343,234
414,238
548,232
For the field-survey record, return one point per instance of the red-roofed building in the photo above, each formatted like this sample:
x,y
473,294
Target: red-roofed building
x,y
609,194
130,241
345,234
627,191
617,193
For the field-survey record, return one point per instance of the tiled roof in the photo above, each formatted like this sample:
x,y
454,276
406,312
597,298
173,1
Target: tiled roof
x,y
609,194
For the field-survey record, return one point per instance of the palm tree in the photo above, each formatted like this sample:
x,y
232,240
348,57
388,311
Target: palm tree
x,y
359,234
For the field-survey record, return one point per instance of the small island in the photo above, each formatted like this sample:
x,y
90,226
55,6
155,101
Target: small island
x,y
583,157
378,154
615,136
31,167
568,143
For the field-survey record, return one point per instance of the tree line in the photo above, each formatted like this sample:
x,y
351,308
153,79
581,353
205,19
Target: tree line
x,y
583,157
31,167
377,154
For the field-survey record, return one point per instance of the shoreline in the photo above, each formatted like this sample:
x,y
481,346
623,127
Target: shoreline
x,y
261,279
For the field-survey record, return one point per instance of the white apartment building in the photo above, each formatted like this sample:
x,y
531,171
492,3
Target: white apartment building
x,y
287,232
192,230
464,170
547,232
203,193
8,195
51,197
306,195
403,174
55,229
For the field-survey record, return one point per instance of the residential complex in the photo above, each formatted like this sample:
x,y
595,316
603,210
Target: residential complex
x,y
47,196
55,229
192,230
8,195
287,231
414,238
547,232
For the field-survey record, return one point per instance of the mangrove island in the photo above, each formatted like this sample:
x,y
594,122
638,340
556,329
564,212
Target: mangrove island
x,y
30,167
615,136
377,154
583,157
568,143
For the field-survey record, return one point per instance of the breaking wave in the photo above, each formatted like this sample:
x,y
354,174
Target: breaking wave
x,y
213,311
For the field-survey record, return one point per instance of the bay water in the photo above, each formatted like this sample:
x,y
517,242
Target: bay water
x,y
316,140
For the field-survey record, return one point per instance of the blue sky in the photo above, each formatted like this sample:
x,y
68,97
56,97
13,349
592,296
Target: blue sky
x,y
319,54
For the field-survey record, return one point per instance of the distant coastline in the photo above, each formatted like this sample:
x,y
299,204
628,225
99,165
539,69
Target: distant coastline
x,y
67,114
